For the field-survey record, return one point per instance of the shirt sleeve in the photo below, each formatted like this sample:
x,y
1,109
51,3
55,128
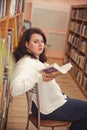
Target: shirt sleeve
x,y
24,80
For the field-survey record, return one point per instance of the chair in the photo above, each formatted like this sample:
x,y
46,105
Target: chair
x,y
37,122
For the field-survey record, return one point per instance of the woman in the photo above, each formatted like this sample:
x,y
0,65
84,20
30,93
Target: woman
x,y
31,59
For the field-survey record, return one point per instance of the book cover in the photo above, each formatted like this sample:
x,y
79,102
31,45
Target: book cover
x,y
56,69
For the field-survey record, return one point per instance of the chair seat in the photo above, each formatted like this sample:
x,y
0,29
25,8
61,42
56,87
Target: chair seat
x,y
48,123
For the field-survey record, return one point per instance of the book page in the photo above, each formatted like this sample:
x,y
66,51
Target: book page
x,y
65,68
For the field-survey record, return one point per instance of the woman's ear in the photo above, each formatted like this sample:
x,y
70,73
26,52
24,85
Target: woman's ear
x,y
26,44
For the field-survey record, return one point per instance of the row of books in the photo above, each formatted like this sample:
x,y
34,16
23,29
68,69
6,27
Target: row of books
x,y
3,80
3,8
79,76
10,41
79,13
16,6
86,67
78,58
84,83
78,42
84,30
67,59
13,36
82,66
7,70
5,96
82,79
0,116
76,27
5,99
6,49
72,25
4,61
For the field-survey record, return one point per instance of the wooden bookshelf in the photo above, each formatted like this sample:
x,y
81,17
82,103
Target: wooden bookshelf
x,y
76,45
28,9
11,21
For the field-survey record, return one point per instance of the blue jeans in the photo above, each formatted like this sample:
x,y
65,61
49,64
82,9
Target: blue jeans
x,y
73,110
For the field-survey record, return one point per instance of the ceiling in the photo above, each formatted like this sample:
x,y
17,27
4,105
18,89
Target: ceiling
x,y
69,2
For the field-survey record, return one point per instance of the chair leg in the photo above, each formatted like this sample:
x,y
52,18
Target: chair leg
x,y
52,128
27,126
68,127
38,104
38,128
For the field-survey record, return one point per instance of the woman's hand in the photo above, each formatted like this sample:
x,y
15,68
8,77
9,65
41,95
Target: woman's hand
x,y
48,77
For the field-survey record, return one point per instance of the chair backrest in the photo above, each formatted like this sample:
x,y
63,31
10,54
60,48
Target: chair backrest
x,y
29,95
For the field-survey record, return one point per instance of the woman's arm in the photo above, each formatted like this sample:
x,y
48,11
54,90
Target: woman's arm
x,y
25,76
21,85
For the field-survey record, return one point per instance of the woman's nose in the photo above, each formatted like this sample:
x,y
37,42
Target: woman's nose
x,y
40,43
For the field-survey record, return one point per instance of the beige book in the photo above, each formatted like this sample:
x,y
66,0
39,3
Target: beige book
x,y
55,69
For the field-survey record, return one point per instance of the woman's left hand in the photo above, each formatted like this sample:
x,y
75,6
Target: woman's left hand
x,y
48,77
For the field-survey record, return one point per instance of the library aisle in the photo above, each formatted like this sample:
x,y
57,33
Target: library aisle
x,y
18,108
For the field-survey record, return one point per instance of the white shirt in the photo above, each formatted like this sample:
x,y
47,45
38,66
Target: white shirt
x,y
26,74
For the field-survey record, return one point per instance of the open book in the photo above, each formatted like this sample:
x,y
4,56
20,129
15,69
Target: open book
x,y
55,69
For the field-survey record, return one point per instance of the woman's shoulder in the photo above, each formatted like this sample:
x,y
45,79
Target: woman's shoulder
x,y
28,62
25,61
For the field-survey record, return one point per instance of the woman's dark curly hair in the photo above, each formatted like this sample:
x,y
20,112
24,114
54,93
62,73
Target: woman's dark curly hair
x,y
21,50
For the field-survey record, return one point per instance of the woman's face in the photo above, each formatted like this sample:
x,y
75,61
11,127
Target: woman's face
x,y
36,44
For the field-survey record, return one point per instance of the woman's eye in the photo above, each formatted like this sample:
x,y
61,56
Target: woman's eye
x,y
35,41
42,41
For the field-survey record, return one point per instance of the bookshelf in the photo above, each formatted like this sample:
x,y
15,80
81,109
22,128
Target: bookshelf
x,y
76,45
11,21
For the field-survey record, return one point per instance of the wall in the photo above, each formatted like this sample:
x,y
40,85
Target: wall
x,y
52,16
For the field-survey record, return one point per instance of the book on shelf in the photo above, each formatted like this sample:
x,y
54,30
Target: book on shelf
x,y
5,85
55,69
16,6
10,39
0,115
85,68
74,13
12,7
79,77
84,82
0,102
4,107
3,8
72,25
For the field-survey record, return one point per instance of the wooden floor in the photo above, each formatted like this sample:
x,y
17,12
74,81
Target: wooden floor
x,y
18,108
